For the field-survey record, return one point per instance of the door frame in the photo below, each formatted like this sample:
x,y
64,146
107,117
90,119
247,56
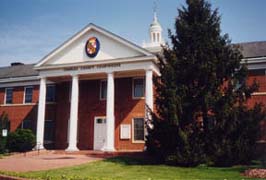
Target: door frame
x,y
95,118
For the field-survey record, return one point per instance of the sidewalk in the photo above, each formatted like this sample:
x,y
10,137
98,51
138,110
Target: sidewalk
x,y
45,160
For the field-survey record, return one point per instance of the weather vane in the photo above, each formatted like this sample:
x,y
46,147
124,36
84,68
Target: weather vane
x,y
154,6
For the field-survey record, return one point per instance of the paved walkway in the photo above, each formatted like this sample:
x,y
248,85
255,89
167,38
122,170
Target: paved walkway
x,y
43,161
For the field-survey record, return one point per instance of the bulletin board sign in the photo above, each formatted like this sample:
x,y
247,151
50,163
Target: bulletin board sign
x,y
125,130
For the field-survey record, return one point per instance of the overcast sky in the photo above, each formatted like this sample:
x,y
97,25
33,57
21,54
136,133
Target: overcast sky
x,y
30,29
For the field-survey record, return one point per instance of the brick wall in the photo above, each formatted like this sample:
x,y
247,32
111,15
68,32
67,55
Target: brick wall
x,y
18,111
259,77
91,106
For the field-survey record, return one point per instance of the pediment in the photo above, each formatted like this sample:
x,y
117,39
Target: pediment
x,y
111,47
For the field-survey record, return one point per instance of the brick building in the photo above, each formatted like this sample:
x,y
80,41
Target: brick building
x,y
90,92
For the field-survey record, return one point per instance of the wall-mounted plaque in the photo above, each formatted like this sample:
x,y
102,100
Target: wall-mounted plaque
x,y
125,131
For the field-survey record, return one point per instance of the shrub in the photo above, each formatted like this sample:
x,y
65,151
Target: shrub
x,y
2,145
21,140
172,146
237,144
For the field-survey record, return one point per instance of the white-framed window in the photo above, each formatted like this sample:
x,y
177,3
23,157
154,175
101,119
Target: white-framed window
x,y
9,96
50,93
138,88
49,131
28,92
26,124
138,132
103,89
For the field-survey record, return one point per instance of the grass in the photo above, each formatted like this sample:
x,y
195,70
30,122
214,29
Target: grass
x,y
133,168
3,154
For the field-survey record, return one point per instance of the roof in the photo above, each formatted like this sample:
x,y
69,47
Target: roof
x,y
249,50
18,71
82,32
253,49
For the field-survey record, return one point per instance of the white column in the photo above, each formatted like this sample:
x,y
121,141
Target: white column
x,y
41,114
149,89
110,119
73,122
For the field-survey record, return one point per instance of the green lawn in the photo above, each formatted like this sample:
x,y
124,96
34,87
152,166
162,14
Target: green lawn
x,y
133,168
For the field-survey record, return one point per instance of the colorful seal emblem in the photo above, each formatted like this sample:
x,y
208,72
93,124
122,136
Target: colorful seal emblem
x,y
92,47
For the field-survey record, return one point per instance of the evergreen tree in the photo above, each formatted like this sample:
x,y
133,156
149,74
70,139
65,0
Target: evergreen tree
x,y
201,92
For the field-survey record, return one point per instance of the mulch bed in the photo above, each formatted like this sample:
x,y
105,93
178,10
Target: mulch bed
x,y
255,173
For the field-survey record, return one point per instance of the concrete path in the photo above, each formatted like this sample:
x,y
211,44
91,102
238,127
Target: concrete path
x,y
43,161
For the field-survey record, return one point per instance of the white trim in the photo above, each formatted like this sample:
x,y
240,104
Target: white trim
x,y
28,104
101,98
133,129
99,117
119,67
100,62
24,94
254,60
261,141
133,88
5,96
16,79
16,84
254,63
258,93
82,32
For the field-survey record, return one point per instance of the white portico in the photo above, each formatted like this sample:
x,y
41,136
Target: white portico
x,y
115,58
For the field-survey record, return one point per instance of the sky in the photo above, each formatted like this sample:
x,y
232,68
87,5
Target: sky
x,y
30,29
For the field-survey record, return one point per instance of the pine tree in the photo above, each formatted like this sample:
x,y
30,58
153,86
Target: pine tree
x,y
201,92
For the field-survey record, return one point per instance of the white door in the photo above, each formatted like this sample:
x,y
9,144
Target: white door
x,y
99,133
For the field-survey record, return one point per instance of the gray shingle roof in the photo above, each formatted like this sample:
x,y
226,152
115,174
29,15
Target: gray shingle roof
x,y
253,49
18,71
249,50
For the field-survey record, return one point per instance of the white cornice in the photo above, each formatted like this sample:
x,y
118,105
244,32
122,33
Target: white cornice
x,y
98,62
254,60
17,79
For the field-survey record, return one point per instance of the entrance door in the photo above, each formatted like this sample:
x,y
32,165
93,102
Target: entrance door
x,y
99,133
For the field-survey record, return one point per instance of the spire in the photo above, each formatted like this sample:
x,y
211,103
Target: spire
x,y
155,11
155,28
155,31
